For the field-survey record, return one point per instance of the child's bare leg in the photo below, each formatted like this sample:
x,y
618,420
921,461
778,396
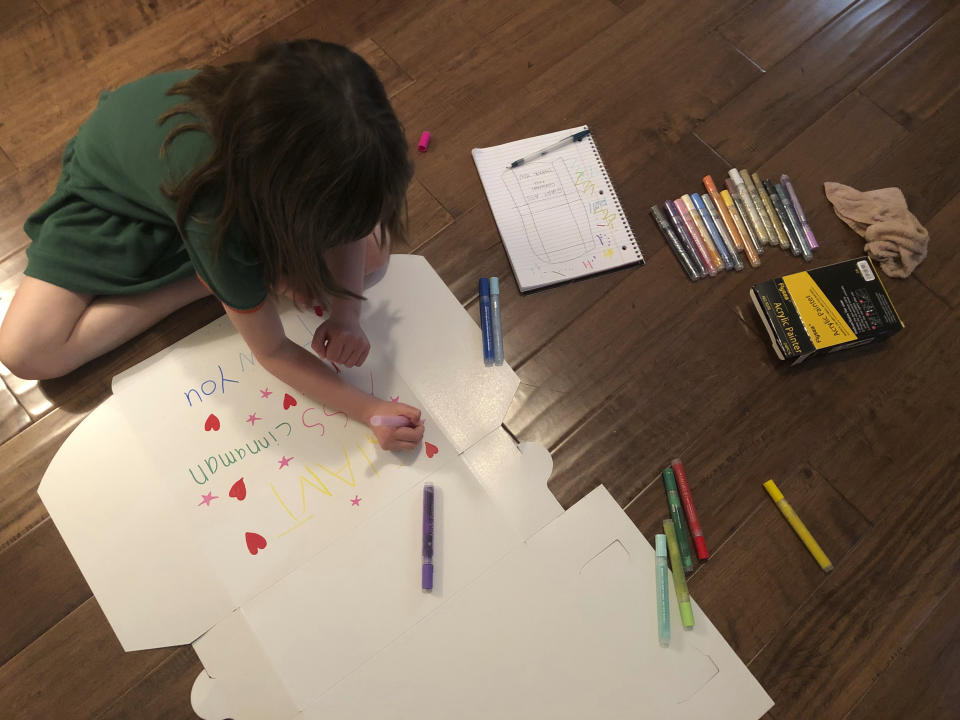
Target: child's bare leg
x,y
49,331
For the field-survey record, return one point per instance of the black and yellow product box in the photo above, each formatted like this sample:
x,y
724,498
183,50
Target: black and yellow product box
x,y
826,309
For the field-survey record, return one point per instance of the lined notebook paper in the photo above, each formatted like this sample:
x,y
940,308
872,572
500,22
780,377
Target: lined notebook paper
x,y
559,216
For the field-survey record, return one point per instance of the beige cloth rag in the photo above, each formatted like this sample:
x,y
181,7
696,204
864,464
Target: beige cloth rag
x,y
895,238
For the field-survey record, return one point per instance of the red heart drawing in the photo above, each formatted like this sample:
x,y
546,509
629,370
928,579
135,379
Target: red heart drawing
x,y
318,310
431,449
212,423
238,490
288,401
255,542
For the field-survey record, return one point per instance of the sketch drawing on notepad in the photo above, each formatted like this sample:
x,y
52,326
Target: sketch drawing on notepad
x,y
558,214
551,209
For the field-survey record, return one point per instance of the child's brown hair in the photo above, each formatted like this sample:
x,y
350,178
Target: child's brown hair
x,y
308,155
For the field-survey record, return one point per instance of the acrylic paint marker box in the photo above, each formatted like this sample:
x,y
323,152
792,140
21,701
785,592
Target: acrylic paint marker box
x,y
820,311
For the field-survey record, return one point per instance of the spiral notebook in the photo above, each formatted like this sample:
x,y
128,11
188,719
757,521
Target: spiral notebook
x,y
558,215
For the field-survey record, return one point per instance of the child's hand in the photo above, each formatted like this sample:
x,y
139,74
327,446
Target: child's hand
x,y
341,341
396,438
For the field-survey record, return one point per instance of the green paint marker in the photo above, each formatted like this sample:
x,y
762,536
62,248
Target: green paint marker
x,y
676,512
679,580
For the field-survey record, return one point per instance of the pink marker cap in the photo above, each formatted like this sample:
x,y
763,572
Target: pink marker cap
x,y
424,141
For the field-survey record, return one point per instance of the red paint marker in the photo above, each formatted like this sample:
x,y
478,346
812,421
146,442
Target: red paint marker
x,y
687,499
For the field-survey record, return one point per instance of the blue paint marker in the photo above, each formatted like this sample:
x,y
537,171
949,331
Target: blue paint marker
x,y
712,229
497,330
486,326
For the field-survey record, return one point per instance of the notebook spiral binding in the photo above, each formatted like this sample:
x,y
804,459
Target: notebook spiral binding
x,y
616,200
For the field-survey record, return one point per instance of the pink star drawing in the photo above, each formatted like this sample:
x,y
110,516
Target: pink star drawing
x,y
356,501
208,498
253,418
285,462
265,393
394,399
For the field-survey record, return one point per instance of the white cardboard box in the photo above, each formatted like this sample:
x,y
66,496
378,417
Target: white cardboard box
x,y
300,590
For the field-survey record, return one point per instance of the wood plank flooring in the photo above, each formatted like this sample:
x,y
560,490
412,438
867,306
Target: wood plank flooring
x,y
619,373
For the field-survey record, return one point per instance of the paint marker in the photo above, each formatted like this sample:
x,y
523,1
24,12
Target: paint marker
x,y
679,581
761,208
722,231
792,244
688,245
795,223
426,570
748,248
752,216
751,233
695,238
691,212
390,421
712,231
495,327
674,242
732,229
673,500
811,240
486,324
695,530
663,595
778,232
798,527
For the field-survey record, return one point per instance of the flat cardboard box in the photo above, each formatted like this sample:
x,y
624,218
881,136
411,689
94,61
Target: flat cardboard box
x,y
535,612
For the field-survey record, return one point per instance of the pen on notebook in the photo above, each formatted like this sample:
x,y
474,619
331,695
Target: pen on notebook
x,y
674,242
696,532
486,327
807,230
712,231
426,570
777,230
725,238
678,224
748,248
798,527
495,327
663,594
676,513
390,421
679,581
576,137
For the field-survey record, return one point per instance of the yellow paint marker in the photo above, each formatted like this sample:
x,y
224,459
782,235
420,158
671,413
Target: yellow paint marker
x,y
798,527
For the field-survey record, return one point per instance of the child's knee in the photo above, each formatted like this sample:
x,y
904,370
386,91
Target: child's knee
x,y
17,357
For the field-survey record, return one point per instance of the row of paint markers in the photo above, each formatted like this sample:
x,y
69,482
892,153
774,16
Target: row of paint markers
x,y
707,231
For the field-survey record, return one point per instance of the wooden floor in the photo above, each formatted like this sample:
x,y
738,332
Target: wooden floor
x,y
619,373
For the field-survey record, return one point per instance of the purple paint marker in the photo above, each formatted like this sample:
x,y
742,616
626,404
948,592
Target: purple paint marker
x,y
426,573
390,421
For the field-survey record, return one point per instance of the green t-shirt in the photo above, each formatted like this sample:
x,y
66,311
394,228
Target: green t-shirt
x,y
108,229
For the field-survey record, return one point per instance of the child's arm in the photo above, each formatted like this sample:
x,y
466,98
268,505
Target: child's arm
x,y
304,371
340,339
